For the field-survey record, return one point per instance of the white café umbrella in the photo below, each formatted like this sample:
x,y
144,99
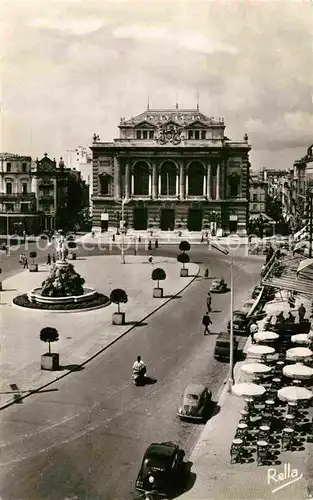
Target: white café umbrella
x,y
293,393
248,390
298,371
265,336
298,353
260,350
300,338
255,368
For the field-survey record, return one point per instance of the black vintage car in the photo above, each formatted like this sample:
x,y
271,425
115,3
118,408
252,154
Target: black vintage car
x,y
240,323
161,469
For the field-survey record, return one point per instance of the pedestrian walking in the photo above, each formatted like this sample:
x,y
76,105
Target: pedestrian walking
x,y
156,243
206,321
48,259
209,301
20,259
291,301
301,312
25,262
149,245
206,274
150,259
113,237
53,259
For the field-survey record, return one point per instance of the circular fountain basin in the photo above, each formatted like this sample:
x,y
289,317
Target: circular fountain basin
x,y
35,296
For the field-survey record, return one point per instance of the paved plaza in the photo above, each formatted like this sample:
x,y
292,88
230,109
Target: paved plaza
x,y
81,334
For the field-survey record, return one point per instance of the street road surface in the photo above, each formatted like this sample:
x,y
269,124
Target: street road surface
x,y
85,436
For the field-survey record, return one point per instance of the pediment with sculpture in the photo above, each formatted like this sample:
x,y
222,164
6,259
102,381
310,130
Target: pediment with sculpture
x,y
170,132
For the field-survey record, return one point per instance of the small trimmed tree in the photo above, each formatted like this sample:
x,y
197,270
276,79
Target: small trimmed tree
x,y
158,275
118,296
183,258
184,246
33,256
49,334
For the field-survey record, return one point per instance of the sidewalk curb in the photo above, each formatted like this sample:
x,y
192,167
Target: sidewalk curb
x,y
17,398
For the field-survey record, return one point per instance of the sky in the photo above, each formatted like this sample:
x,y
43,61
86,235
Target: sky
x,y
72,68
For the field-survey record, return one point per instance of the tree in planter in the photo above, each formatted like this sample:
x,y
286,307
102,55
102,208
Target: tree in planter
x,y
49,361
118,296
184,246
183,258
158,275
49,334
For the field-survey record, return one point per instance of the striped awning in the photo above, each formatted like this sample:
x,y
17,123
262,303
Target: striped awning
x,y
291,280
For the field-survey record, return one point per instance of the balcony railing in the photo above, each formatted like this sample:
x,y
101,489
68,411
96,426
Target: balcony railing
x,y
26,196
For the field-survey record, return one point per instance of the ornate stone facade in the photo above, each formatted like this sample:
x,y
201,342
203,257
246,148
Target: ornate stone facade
x,y
175,169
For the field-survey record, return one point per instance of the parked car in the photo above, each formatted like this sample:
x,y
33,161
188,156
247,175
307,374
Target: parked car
x,y
218,286
161,468
240,323
222,346
194,402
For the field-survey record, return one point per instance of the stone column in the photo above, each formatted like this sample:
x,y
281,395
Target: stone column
x,y
154,181
150,185
132,185
204,186
187,185
218,177
177,185
127,180
117,178
159,184
181,182
208,181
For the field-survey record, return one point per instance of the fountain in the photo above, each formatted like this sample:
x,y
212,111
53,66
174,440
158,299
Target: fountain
x,y
63,289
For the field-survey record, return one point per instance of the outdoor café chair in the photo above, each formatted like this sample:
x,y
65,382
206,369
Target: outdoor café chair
x,y
292,408
287,438
262,451
276,383
236,450
263,432
290,420
244,417
241,431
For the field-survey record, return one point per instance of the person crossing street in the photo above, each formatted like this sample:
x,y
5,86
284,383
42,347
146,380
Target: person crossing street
x,y
206,321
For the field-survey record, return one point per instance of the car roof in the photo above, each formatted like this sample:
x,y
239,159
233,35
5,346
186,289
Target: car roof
x,y
239,312
194,389
216,280
250,301
166,449
223,335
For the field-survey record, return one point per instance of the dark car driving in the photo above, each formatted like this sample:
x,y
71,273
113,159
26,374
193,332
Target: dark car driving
x,y
161,468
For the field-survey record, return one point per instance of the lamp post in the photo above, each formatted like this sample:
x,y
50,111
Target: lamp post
x,y
231,333
8,228
123,202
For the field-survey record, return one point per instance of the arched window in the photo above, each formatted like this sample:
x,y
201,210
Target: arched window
x,y
141,178
195,179
168,179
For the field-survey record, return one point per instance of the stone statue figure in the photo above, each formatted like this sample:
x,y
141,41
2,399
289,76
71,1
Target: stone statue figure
x,y
61,249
